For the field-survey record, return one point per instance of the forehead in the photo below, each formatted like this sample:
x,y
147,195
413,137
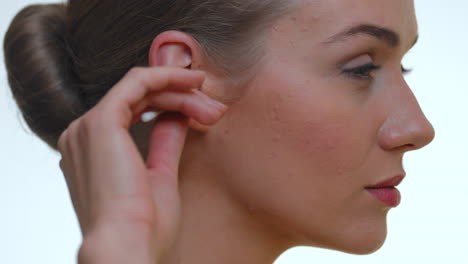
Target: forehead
x,y
328,17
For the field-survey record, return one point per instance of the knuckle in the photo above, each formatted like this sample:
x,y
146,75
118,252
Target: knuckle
x,y
62,164
184,105
135,72
66,135
73,124
171,76
164,167
61,141
95,122
138,76
88,123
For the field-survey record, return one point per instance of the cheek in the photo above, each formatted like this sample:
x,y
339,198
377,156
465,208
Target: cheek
x,y
317,148
297,137
324,143
323,130
293,147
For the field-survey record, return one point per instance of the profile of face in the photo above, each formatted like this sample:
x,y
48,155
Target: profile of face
x,y
328,114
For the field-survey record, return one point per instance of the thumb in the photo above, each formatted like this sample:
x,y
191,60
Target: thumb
x,y
166,144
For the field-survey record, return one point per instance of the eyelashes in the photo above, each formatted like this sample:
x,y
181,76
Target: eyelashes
x,y
366,71
405,70
363,72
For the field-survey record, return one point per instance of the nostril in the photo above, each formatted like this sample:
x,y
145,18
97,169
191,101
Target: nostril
x,y
406,148
410,147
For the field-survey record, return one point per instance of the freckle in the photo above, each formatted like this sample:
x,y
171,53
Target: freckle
x,y
226,131
292,44
275,114
280,98
250,209
257,126
273,155
277,118
277,138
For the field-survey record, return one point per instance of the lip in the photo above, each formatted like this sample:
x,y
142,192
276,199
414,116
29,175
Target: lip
x,y
391,182
386,192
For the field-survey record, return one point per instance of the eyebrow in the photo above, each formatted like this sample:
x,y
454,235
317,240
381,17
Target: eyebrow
x,y
386,35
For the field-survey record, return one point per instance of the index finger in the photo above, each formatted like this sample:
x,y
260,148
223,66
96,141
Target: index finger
x,y
138,82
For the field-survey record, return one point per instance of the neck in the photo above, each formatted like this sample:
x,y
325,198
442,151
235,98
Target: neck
x,y
215,228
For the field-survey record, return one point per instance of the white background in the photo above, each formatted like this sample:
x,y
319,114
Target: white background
x,y
38,225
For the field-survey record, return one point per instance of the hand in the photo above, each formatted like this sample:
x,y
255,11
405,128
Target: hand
x,y
129,209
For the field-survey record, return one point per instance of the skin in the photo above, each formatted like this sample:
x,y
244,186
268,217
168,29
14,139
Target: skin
x,y
286,165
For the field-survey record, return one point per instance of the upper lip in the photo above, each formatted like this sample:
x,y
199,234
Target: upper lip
x,y
388,183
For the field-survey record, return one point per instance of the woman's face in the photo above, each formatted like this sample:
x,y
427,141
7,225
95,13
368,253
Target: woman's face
x,y
319,123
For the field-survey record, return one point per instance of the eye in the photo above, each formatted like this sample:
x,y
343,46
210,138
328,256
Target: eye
x,y
363,72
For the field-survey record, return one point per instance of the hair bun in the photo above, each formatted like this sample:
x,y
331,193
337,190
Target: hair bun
x,y
40,72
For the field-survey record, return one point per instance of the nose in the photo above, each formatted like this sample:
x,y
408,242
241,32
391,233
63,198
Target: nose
x,y
406,127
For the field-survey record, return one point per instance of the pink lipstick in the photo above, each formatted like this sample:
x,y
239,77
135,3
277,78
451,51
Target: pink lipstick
x,y
386,192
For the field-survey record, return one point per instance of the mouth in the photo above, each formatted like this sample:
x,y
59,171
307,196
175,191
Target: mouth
x,y
386,192
391,182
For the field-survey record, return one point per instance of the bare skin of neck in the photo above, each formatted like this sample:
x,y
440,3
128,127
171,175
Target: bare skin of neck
x,y
216,228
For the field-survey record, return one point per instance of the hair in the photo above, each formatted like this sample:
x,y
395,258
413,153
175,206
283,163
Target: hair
x,y
62,58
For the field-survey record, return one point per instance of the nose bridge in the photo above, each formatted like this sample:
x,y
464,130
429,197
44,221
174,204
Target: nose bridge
x,y
406,125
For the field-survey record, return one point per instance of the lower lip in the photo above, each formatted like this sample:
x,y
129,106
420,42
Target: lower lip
x,y
390,196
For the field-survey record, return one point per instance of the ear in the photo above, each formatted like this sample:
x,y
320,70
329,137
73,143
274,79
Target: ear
x,y
172,48
176,49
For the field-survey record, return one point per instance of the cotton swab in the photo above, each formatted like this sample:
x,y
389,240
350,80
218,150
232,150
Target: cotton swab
x,y
149,116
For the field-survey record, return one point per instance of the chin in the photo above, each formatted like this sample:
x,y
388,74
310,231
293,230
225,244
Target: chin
x,y
360,239
363,243
364,248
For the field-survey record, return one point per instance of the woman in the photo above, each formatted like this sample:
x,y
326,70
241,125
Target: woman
x,y
285,122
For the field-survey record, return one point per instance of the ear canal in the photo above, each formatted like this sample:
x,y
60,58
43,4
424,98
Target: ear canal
x,y
173,54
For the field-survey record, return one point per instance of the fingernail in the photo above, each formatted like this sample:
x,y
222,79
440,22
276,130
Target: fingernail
x,y
218,104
